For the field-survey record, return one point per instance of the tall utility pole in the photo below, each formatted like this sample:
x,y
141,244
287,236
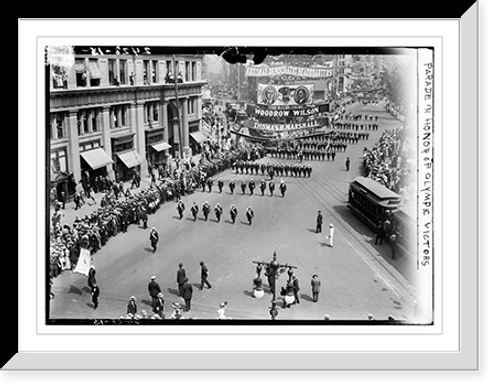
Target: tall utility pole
x,y
179,111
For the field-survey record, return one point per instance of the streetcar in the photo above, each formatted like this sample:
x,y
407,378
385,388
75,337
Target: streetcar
x,y
405,224
371,201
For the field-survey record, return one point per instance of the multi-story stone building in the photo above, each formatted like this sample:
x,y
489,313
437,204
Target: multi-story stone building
x,y
114,112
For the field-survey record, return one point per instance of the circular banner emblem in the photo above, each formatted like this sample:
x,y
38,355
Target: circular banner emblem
x,y
269,95
301,95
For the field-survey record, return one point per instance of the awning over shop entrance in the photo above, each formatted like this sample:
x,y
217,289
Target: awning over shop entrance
x,y
161,146
96,158
130,158
198,137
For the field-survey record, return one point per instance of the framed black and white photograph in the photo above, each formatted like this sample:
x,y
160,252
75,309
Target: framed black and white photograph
x,y
211,199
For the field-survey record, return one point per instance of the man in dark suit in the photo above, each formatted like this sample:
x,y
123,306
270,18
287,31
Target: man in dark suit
x,y
263,168
270,171
204,276
251,186
210,183
315,285
187,294
154,237
233,212
250,215
181,277
95,295
154,289
271,186
91,280
296,288
379,233
206,210
262,186
319,222
194,211
282,188
180,208
218,211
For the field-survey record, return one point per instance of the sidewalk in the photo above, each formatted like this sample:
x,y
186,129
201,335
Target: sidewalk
x,y
69,213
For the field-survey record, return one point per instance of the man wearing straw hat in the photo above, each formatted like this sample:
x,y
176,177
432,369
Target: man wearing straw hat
x,y
176,314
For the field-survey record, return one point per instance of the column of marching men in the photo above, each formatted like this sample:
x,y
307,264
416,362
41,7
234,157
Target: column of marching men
x,y
185,289
320,147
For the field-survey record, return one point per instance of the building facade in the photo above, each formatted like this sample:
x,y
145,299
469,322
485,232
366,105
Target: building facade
x,y
357,73
116,114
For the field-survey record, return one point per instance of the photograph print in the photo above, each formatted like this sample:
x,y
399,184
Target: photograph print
x,y
242,185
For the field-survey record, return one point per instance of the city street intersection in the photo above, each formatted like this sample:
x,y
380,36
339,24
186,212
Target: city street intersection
x,y
357,277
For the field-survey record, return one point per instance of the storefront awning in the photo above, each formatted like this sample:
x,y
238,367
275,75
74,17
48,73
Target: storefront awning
x,y
96,158
198,137
130,158
161,146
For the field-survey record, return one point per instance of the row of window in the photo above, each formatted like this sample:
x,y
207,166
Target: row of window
x,y
90,120
88,72
360,201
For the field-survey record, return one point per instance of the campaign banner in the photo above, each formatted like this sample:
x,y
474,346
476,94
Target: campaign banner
x,y
286,127
285,111
304,72
293,94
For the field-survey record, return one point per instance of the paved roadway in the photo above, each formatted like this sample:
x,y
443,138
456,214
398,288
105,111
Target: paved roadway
x,y
358,278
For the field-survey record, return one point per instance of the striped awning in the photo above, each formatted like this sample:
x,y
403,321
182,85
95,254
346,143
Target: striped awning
x,y
162,146
96,158
130,158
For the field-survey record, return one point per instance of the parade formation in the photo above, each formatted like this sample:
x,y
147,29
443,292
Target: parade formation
x,y
211,236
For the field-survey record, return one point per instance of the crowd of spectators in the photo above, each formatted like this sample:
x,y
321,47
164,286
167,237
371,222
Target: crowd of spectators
x,y
118,211
384,162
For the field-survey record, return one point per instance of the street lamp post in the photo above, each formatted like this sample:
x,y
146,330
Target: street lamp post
x,y
273,271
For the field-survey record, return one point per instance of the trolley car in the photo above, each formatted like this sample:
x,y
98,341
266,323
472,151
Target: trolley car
x,y
370,200
405,226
